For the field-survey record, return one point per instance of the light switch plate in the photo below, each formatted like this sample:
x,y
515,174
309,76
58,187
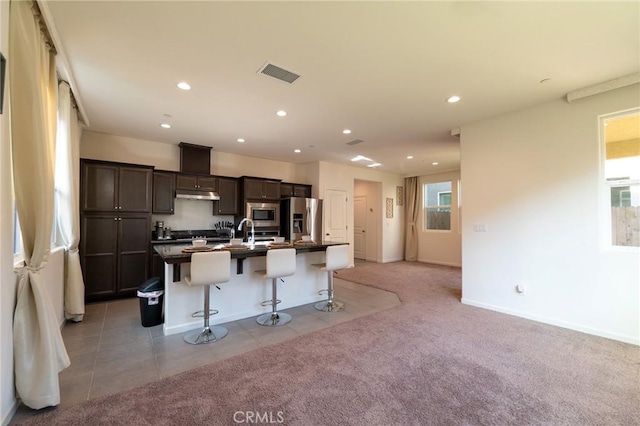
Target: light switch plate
x,y
480,227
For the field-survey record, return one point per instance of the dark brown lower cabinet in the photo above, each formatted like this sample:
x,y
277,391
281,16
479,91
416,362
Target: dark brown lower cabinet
x,y
114,251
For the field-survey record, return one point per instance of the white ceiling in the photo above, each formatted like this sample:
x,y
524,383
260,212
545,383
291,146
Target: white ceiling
x,y
381,69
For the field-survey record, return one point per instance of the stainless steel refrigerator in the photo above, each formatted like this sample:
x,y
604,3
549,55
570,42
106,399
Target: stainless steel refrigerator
x,y
301,216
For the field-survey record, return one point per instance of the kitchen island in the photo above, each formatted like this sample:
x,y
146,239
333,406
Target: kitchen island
x,y
242,296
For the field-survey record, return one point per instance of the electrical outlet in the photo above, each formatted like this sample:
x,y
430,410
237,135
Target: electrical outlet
x,y
480,227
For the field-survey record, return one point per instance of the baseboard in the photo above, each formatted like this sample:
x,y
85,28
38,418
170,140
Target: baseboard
x,y
558,323
7,418
398,259
435,262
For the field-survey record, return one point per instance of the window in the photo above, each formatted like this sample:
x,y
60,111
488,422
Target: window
x,y
437,206
56,240
621,136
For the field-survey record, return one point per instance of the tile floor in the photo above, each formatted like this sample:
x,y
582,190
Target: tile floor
x,y
110,351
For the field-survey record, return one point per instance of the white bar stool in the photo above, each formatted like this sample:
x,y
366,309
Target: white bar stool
x,y
280,263
208,268
336,257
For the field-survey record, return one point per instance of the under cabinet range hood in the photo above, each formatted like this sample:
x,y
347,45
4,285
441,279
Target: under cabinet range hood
x,y
192,194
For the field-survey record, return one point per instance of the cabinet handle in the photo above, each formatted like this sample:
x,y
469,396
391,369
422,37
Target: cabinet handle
x,y
115,218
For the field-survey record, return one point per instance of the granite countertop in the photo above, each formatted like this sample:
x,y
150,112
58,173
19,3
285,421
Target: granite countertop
x,y
173,253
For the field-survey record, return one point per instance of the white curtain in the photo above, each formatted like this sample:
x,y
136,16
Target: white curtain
x,y
39,352
411,219
68,198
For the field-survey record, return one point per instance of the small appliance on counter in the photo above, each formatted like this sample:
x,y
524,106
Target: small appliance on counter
x,y
159,230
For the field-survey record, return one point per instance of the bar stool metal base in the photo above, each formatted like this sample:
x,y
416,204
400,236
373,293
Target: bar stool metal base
x,y
206,335
329,306
273,319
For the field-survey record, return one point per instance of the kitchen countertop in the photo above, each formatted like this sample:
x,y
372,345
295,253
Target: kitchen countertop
x,y
210,240
173,254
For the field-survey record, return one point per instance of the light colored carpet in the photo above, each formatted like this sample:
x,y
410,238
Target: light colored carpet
x,y
430,361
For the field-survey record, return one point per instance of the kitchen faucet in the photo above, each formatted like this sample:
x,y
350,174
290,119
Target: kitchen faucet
x,y
250,239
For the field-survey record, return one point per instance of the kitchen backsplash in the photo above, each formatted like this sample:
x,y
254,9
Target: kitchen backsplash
x,y
190,214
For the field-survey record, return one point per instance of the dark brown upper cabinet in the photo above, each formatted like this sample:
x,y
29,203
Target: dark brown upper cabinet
x,y
300,190
117,187
260,189
288,189
228,202
195,159
164,188
202,183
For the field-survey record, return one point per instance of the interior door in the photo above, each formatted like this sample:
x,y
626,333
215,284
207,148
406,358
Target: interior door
x,y
359,227
335,221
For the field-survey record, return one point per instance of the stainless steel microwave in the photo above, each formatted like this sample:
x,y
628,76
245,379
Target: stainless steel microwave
x,y
264,214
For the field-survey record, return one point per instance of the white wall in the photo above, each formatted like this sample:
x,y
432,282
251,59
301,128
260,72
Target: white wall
x,y
441,247
8,402
391,231
533,177
163,156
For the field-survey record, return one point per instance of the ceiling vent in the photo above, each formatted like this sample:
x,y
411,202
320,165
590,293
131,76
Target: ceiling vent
x,y
278,73
355,142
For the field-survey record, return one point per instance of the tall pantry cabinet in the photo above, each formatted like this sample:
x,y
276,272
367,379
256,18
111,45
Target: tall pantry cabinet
x,y
115,227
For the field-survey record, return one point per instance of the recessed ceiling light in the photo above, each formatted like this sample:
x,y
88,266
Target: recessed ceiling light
x,y
165,125
435,163
281,113
374,165
346,131
240,140
297,151
360,158
409,157
453,99
184,85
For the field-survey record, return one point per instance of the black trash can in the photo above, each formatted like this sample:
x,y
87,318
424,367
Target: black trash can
x,y
151,294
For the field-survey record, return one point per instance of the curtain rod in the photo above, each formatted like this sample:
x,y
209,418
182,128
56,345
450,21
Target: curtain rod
x,y
42,14
44,30
74,104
